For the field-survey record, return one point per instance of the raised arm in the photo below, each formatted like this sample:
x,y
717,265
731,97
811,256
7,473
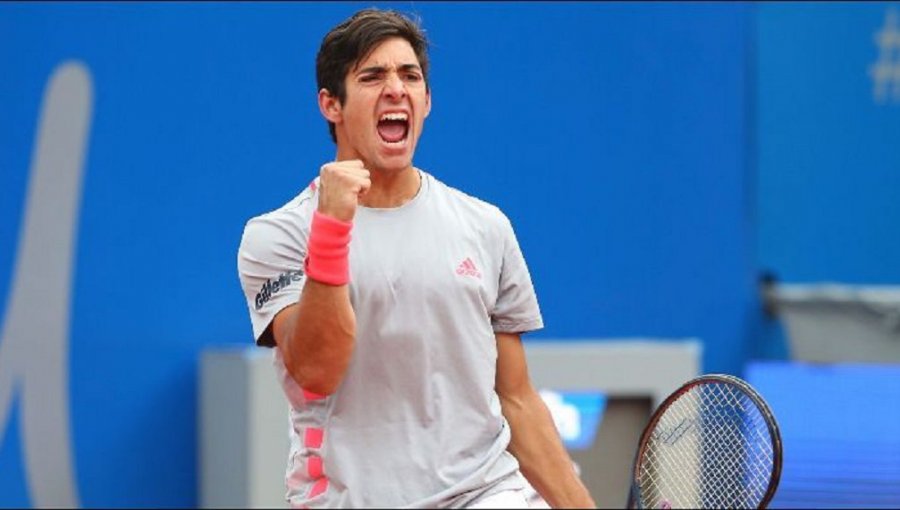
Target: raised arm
x,y
316,335
535,441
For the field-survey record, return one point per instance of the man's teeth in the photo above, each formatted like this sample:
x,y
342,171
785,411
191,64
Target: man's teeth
x,y
394,116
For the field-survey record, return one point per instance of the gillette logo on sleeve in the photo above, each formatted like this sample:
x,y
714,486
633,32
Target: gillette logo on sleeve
x,y
273,287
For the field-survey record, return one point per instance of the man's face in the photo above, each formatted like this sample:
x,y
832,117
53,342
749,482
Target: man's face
x,y
385,108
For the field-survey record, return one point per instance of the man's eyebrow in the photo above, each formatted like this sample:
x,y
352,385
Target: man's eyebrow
x,y
382,69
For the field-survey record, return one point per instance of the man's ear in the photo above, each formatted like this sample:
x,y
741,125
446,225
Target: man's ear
x,y
427,102
330,107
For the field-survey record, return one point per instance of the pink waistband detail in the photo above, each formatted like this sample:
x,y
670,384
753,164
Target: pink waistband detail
x,y
314,467
313,437
318,488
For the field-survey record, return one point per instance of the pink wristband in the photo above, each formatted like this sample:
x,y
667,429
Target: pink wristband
x,y
328,250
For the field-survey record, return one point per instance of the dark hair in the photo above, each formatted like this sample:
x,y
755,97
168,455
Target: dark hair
x,y
352,40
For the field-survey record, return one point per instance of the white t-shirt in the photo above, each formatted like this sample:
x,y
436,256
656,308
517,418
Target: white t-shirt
x,y
416,420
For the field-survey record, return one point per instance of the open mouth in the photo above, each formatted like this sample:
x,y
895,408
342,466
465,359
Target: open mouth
x,y
393,128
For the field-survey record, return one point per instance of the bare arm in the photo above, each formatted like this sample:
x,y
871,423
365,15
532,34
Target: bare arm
x,y
535,441
316,335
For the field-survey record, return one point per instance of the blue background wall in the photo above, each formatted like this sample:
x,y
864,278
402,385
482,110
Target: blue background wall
x,y
619,138
829,144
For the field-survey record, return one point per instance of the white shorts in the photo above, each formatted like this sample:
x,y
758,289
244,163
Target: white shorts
x,y
525,497
512,498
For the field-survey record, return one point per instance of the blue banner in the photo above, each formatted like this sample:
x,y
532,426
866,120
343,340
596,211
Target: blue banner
x,y
137,139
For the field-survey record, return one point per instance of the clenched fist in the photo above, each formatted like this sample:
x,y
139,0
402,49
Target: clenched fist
x,y
341,183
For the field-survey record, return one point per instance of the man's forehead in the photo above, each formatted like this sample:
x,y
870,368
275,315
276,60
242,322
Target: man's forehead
x,y
390,53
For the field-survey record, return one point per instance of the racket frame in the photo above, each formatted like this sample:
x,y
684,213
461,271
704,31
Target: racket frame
x,y
634,496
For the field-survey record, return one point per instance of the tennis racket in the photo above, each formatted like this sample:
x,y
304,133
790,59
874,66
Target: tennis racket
x,y
713,443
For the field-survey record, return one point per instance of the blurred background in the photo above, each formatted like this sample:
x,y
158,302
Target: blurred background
x,y
719,177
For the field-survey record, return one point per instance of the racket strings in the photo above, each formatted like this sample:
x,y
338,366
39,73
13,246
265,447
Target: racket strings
x,y
710,449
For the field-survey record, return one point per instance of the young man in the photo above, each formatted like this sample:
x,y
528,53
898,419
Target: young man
x,y
399,351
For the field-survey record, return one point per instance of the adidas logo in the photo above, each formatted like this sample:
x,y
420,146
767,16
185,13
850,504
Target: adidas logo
x,y
467,268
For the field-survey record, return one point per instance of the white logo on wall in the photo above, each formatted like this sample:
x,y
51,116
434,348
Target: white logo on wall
x,y
34,354
885,72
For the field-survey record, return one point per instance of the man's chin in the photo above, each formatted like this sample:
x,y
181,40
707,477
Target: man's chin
x,y
393,163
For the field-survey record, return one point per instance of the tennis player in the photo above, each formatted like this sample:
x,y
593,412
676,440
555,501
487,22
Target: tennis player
x,y
395,304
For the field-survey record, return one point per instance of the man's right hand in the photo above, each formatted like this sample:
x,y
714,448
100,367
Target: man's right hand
x,y
341,184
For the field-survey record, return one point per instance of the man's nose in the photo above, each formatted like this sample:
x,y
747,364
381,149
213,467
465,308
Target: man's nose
x,y
394,87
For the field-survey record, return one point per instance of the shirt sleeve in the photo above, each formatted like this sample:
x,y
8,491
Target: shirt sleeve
x,y
270,267
516,310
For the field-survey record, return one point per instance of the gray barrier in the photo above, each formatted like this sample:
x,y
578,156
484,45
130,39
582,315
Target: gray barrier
x,y
829,322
